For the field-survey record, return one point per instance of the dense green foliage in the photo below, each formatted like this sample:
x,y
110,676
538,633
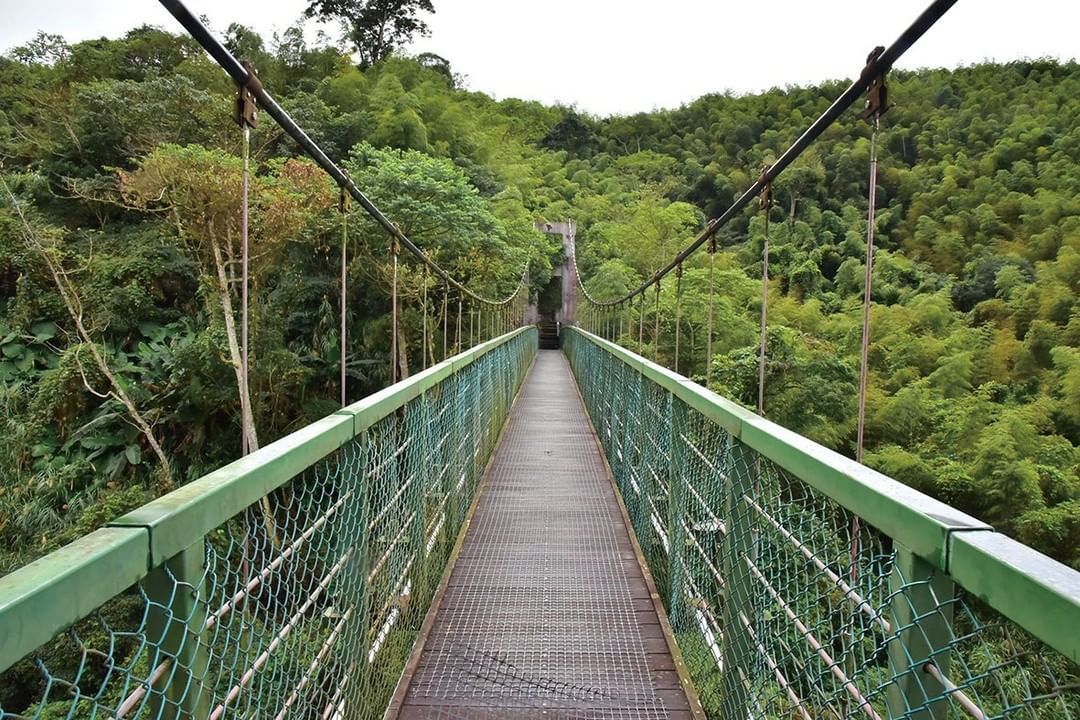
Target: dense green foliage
x,y
975,332
126,167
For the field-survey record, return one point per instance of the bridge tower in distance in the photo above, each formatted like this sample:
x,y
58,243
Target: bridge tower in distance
x,y
557,304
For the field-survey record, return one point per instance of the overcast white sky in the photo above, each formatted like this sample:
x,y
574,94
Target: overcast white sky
x,y
614,56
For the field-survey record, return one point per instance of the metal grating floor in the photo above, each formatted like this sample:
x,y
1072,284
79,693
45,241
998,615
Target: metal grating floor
x,y
546,614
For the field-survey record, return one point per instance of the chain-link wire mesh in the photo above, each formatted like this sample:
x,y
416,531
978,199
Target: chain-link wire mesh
x,y
784,603
305,604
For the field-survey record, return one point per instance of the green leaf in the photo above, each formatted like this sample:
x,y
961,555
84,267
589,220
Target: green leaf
x,y
152,330
43,331
133,454
13,349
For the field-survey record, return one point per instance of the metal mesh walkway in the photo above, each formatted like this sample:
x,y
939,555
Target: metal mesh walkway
x,y
546,614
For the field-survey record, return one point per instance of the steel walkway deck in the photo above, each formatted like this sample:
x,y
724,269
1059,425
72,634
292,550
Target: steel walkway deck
x,y
546,613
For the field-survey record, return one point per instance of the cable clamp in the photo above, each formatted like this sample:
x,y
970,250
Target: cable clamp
x,y
877,93
246,111
766,196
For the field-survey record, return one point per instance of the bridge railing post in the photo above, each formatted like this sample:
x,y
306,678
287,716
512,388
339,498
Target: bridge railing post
x,y
419,465
361,675
677,465
737,548
921,606
175,624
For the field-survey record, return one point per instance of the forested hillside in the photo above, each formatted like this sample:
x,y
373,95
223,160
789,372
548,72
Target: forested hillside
x,y
119,220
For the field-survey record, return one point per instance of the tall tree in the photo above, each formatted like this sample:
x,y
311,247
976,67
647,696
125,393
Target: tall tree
x,y
376,28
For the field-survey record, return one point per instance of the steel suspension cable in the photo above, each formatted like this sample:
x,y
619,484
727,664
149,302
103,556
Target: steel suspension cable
x,y
394,316
343,208
864,351
641,323
881,60
867,287
678,312
424,323
248,81
766,203
457,337
247,417
708,334
656,327
445,303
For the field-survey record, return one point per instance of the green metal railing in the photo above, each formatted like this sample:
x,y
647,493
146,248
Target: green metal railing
x,y
801,584
291,582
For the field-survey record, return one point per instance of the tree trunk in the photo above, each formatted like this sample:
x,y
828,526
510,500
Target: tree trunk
x,y
402,355
247,419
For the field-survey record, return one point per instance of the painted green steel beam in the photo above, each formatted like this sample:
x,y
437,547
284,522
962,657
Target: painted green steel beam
x,y
918,521
47,596
179,519
184,516
1034,591
376,406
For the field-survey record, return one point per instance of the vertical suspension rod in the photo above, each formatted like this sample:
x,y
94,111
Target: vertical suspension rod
x,y
246,414
766,203
394,317
343,207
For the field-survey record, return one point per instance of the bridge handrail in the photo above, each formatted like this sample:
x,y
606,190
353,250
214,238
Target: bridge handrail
x,y
1032,590
45,597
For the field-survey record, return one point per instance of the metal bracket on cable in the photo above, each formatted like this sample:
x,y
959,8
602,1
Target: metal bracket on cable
x,y
766,196
247,110
877,93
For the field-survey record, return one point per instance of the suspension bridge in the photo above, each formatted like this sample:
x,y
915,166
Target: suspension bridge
x,y
545,524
